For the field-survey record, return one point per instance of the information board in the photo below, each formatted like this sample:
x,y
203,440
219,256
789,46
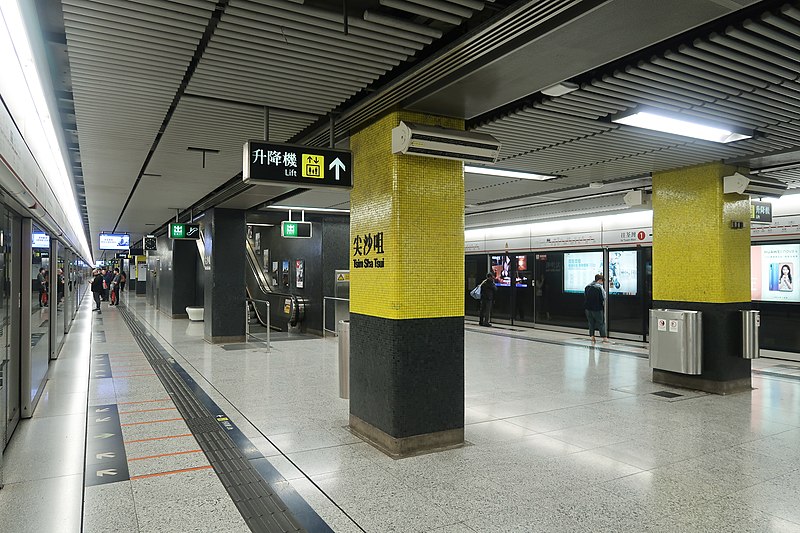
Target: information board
x,y
115,241
580,269
622,273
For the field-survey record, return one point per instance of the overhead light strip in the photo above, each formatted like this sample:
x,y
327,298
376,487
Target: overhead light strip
x,y
678,125
507,173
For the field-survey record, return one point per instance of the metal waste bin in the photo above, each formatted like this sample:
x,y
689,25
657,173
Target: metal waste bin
x,y
676,340
343,332
751,324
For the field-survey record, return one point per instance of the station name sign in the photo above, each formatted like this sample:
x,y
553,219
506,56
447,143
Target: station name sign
x,y
287,164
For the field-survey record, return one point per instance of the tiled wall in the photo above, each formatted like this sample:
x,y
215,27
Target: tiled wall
x,y
417,203
697,257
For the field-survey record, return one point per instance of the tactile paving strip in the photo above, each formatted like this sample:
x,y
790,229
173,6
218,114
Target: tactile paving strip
x,y
263,510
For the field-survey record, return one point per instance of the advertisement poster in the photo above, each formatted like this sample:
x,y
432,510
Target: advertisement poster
x,y
285,273
258,243
773,271
265,261
523,275
580,269
622,273
501,266
300,273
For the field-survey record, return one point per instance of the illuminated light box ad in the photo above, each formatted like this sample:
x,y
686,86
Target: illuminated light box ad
x,y
622,273
773,273
501,266
580,269
115,241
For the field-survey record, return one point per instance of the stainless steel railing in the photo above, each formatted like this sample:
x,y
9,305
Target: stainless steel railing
x,y
324,313
254,301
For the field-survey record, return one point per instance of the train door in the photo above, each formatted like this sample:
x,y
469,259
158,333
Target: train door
x,y
10,360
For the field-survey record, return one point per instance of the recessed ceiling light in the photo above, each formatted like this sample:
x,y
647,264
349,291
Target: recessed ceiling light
x,y
560,89
507,173
680,125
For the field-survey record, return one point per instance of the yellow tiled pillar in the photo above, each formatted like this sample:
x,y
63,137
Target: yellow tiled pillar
x,y
701,263
406,292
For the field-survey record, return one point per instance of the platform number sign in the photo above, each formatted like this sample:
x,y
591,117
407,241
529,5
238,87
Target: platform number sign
x,y
150,242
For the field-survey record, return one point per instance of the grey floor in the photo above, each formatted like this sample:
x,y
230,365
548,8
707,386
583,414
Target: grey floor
x,y
560,438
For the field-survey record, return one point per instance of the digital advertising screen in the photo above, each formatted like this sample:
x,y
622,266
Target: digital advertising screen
x,y
622,273
501,266
773,271
580,269
40,240
523,276
115,241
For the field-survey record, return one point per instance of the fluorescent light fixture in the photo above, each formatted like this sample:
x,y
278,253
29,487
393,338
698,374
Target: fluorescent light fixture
x,y
507,173
560,89
23,93
679,125
320,209
260,224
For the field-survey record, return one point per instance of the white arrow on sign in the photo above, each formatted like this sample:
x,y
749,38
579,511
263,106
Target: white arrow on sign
x,y
105,455
104,419
337,165
102,410
104,436
107,472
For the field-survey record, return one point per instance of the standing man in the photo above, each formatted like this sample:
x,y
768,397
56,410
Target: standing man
x,y
115,287
595,304
488,289
42,287
108,276
97,289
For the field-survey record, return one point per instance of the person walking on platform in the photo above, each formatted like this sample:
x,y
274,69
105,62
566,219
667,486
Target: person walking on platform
x,y
97,289
594,304
114,286
488,289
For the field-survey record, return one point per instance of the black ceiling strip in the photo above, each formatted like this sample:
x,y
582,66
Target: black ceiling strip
x,y
211,27
718,25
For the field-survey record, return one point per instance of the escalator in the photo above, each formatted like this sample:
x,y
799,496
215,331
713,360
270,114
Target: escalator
x,y
285,310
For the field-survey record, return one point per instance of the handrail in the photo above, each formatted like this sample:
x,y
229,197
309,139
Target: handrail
x,y
324,312
254,301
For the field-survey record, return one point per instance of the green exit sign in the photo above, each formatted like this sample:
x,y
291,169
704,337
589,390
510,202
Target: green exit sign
x,y
184,231
295,230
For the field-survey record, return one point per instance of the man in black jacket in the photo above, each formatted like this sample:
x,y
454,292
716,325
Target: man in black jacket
x,y
594,304
97,289
488,289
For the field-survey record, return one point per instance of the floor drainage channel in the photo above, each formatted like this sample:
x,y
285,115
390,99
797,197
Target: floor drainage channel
x,y
244,472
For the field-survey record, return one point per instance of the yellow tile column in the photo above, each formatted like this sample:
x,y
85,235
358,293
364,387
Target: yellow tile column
x,y
701,263
406,292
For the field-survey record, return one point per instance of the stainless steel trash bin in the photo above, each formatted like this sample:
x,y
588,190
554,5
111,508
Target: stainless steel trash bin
x,y
751,324
343,332
676,340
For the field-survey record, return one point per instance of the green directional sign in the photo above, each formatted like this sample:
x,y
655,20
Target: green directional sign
x,y
184,231
295,230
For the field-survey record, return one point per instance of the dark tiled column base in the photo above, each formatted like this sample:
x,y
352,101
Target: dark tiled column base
x,y
724,371
226,340
686,381
407,446
407,382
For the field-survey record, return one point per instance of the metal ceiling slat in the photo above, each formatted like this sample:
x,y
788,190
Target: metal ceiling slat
x,y
133,11
742,70
255,21
333,55
274,90
696,72
237,71
114,49
730,50
104,25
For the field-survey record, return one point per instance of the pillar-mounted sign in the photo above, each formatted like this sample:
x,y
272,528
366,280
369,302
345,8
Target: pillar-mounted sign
x,y
306,166
760,212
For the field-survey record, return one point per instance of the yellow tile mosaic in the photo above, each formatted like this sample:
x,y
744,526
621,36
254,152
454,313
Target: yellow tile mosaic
x,y
415,205
697,256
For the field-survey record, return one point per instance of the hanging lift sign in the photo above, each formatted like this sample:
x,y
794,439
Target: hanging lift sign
x,y
306,166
